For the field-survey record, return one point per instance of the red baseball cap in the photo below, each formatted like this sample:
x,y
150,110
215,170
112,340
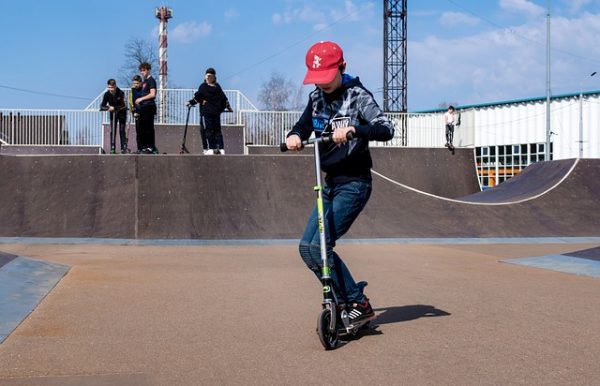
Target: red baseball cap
x,y
323,61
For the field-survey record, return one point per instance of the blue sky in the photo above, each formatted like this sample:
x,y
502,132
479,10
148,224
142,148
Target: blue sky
x,y
459,51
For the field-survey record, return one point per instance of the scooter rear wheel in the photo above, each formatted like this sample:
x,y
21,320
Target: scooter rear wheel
x,y
328,337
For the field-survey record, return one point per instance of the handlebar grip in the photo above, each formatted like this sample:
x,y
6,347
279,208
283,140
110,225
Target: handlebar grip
x,y
283,147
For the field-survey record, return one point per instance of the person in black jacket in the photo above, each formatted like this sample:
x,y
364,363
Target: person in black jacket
x,y
338,105
147,110
213,102
114,101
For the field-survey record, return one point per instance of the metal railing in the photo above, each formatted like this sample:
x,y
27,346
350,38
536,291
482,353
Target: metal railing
x,y
269,128
51,127
172,110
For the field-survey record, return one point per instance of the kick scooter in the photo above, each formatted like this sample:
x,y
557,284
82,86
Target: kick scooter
x,y
187,119
333,320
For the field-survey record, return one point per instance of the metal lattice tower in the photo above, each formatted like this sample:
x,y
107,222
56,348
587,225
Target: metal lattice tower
x,y
394,59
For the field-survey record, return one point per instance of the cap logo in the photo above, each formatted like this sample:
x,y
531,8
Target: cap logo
x,y
316,62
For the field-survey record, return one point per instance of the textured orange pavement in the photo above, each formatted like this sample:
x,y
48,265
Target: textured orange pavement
x,y
240,315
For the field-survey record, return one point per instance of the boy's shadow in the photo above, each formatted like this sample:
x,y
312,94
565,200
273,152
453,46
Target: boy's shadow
x,y
405,313
387,315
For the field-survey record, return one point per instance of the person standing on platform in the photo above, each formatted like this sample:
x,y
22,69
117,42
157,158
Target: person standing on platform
x,y
134,94
113,101
451,120
147,110
213,102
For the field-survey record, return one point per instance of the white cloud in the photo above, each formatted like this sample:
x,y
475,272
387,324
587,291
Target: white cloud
x,y
231,13
523,6
188,32
351,12
503,64
576,5
323,16
452,19
304,14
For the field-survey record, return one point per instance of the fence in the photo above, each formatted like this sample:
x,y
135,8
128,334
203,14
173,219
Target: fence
x,y
269,128
171,104
50,127
84,127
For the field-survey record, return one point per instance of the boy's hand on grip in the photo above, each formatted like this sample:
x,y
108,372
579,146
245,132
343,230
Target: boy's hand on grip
x,y
293,142
343,134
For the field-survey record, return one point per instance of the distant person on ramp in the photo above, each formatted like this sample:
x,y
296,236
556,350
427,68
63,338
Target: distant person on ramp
x,y
338,105
451,120
114,102
213,102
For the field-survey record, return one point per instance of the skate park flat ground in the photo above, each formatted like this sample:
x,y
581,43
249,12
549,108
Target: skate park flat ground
x,y
447,313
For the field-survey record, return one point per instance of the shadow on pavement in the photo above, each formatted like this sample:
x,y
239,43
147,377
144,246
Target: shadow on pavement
x,y
405,313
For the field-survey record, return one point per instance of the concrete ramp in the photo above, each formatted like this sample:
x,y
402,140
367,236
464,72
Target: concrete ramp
x,y
237,197
568,209
536,180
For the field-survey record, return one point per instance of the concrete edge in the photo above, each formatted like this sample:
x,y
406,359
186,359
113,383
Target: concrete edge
x,y
408,240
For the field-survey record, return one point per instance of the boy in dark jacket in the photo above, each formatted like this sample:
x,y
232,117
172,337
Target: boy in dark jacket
x,y
213,102
147,109
339,104
135,93
114,102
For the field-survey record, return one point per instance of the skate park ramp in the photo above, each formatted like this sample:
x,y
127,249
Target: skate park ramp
x,y
567,209
266,197
436,171
534,181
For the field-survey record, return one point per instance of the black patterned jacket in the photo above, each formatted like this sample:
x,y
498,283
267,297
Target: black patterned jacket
x,y
350,105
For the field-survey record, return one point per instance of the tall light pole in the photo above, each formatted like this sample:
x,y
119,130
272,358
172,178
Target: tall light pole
x,y
548,117
581,117
163,14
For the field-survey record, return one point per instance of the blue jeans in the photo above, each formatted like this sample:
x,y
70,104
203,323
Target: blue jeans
x,y
341,205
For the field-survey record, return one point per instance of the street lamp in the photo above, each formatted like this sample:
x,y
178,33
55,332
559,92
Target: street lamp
x,y
581,116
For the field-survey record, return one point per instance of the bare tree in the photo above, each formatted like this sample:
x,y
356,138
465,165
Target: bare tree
x,y
279,93
137,51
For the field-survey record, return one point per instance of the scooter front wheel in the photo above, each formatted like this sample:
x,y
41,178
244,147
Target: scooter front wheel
x,y
328,337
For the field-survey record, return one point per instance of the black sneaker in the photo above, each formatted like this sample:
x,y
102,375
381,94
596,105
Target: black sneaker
x,y
360,311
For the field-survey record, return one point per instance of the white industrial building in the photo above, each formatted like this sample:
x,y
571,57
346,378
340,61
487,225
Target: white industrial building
x,y
507,136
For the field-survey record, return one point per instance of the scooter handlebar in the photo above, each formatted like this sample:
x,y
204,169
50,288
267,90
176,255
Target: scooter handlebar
x,y
349,136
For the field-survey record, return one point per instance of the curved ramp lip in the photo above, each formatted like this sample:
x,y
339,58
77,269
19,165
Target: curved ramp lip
x,y
567,174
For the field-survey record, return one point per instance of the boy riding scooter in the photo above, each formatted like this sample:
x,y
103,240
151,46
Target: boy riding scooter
x,y
340,107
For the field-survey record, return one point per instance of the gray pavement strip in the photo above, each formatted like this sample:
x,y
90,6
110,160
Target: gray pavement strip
x,y
405,240
80,380
561,263
24,282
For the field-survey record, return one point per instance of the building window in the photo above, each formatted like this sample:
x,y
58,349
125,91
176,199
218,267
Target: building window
x,y
496,164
